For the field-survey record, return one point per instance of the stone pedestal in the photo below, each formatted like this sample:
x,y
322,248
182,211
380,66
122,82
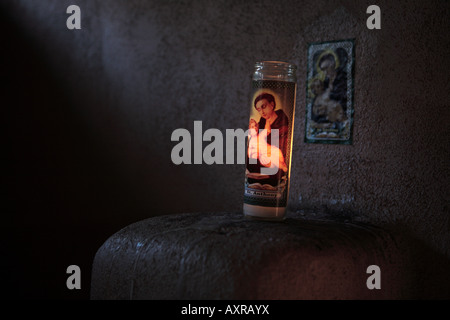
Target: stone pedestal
x,y
228,256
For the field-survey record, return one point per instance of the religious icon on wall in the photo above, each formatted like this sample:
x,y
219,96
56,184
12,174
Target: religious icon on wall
x,y
329,92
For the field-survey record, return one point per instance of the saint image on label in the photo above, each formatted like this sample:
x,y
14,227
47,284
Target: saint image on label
x,y
268,145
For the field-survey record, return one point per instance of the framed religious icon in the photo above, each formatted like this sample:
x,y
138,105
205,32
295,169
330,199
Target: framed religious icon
x,y
329,92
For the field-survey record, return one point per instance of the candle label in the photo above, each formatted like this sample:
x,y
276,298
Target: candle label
x,y
269,143
329,92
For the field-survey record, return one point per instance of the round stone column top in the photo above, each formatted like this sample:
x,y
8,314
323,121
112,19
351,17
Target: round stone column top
x,y
228,256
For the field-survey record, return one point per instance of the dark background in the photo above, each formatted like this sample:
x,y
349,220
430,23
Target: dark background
x,y
88,115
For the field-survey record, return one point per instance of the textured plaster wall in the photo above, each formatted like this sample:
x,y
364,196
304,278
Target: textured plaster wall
x,y
397,170
90,113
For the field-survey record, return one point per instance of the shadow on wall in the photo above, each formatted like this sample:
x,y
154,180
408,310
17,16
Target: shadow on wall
x,y
73,181
64,194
